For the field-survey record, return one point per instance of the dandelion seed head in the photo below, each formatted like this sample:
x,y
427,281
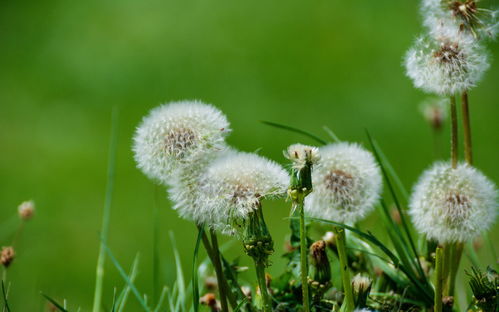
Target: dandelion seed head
x,y
233,186
434,111
453,205
347,183
360,283
26,210
177,134
446,66
301,154
7,255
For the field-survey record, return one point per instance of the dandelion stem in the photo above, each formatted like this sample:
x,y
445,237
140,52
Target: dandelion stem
x,y
456,253
303,258
453,140
468,154
218,268
439,280
262,283
348,303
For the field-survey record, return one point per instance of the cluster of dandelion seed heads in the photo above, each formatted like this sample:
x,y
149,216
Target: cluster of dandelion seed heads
x,y
447,66
233,186
347,183
453,205
177,134
301,155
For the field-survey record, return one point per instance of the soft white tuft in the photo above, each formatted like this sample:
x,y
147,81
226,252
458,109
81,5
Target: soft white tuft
x,y
446,66
177,134
347,183
453,205
301,154
234,185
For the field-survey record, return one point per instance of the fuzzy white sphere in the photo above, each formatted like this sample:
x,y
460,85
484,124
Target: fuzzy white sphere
x,y
453,205
445,66
300,155
234,185
177,134
346,182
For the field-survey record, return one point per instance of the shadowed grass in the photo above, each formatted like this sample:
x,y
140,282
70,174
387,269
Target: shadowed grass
x,y
99,279
55,303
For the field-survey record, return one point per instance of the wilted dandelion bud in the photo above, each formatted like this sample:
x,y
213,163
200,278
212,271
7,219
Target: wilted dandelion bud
x,y
320,268
484,288
347,183
210,301
453,205
459,17
177,134
303,157
7,256
446,66
361,286
435,111
26,210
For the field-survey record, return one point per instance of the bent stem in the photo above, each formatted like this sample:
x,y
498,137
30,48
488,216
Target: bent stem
x,y
303,258
453,139
348,303
439,280
468,154
262,283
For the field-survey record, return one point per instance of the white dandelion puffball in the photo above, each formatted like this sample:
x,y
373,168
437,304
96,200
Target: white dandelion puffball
x,y
300,155
459,18
177,134
453,205
233,186
446,66
347,183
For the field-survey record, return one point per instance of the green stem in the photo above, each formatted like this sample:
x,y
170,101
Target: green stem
x,y
453,140
348,303
218,269
457,252
468,154
304,258
262,283
439,280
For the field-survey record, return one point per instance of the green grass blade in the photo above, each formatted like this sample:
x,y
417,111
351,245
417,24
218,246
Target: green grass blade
x,y
241,304
161,299
4,296
180,277
122,299
195,284
113,307
99,278
155,245
55,303
492,249
127,280
331,134
296,130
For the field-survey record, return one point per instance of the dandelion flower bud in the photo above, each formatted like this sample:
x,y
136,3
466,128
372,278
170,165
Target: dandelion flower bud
x,y
26,210
320,268
445,66
303,157
361,286
177,134
7,255
347,184
233,186
453,205
210,301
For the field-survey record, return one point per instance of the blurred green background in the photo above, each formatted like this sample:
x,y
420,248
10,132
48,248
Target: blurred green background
x,y
65,64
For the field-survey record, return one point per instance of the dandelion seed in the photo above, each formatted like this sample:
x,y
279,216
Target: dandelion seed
x,y
176,135
446,66
453,205
347,184
434,111
26,210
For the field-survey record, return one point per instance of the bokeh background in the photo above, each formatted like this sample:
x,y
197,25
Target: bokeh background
x,y
65,64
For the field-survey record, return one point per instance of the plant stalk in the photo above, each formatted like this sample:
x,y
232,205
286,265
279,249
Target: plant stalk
x,y
468,154
453,138
219,271
262,283
439,280
304,258
455,259
348,303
